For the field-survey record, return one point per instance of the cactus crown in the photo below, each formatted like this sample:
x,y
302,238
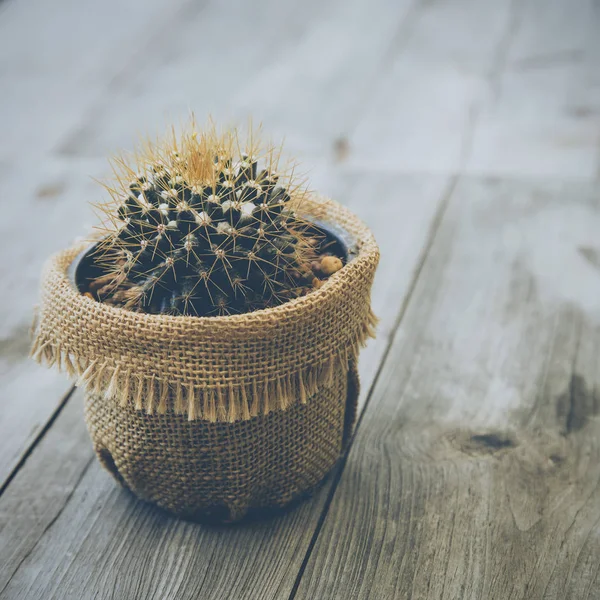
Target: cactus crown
x,y
201,225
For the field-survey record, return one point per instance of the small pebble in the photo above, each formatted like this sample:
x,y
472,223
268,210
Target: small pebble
x,y
330,265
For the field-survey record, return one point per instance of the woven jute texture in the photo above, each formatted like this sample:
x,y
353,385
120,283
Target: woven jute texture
x,y
208,412
219,471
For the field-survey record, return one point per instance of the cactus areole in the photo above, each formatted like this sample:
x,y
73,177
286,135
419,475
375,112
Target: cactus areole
x,y
199,227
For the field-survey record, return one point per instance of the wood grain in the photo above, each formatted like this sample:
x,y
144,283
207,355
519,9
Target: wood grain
x,y
475,472
421,112
302,72
475,469
542,118
520,76
52,473
94,540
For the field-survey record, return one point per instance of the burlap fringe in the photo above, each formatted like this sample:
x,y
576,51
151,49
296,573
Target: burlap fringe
x,y
231,404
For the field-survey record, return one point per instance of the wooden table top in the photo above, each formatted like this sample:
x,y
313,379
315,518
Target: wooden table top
x,y
466,133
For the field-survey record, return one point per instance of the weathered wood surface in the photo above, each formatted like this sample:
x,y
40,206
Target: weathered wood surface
x,y
475,472
82,506
375,96
541,117
521,78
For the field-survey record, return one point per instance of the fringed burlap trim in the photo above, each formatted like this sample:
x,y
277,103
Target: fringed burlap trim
x,y
212,368
232,403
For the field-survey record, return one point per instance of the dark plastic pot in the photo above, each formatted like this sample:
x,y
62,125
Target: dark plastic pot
x,y
340,242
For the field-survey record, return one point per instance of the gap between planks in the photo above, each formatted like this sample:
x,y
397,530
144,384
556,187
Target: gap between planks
x,y
37,439
435,225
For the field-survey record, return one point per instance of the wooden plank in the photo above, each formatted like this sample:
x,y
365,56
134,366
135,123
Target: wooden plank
x,y
420,113
31,394
94,540
475,472
24,515
543,116
299,68
520,78
60,57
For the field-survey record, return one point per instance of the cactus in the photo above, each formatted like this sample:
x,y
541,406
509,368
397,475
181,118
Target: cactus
x,y
198,227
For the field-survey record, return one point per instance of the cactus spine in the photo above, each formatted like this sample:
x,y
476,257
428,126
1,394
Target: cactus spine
x,y
199,227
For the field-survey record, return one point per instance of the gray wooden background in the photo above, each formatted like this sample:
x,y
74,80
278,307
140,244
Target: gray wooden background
x,y
467,134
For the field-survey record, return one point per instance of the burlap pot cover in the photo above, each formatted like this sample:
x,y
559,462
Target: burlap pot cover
x,y
217,415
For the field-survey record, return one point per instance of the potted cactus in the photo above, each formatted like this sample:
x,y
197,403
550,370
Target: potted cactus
x,y
215,324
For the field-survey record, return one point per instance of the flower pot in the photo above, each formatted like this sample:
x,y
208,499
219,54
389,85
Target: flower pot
x,y
216,416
